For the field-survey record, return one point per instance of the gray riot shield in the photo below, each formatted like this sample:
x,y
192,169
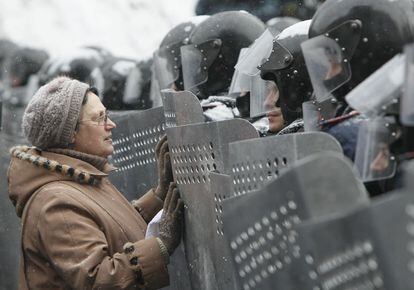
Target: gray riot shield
x,y
181,108
134,140
223,267
260,225
9,222
196,150
1,111
253,162
370,248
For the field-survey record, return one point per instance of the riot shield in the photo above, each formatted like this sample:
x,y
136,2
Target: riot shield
x,y
1,113
196,150
223,267
370,248
253,162
9,222
134,140
178,270
260,225
181,108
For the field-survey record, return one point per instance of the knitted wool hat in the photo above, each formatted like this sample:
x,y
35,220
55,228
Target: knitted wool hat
x,y
50,117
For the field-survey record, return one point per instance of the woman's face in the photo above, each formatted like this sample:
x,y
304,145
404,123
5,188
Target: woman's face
x,y
94,133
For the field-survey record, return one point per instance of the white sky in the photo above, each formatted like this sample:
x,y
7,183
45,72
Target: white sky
x,y
130,28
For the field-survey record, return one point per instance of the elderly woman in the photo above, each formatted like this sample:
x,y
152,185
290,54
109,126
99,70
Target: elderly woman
x,y
78,231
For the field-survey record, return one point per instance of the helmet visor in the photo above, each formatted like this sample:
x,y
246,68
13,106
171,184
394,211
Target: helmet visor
x,y
196,61
240,82
327,66
311,116
373,96
327,57
373,157
133,87
256,54
263,97
155,92
407,100
167,65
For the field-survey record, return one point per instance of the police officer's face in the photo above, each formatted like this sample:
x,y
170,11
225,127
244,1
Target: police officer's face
x,y
94,133
274,114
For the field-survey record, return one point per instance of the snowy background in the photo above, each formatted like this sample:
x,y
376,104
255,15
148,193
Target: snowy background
x,y
129,28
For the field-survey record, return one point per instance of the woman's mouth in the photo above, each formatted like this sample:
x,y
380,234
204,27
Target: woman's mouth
x,y
275,113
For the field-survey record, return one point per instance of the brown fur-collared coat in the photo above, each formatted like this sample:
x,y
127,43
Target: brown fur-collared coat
x,y
75,224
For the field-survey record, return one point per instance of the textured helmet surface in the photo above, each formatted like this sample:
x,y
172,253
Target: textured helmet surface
x,y
286,67
82,64
234,30
386,26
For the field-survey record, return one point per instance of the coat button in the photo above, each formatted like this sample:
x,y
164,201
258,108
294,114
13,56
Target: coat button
x,y
129,248
134,261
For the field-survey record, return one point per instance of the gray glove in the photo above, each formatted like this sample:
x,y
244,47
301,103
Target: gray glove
x,y
165,175
171,219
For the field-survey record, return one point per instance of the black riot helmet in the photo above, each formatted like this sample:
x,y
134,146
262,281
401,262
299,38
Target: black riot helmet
x,y
209,60
126,84
22,63
115,72
351,39
277,24
167,67
82,64
285,66
6,49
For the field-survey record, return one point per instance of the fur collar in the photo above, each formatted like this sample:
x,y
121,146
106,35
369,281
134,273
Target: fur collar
x,y
82,177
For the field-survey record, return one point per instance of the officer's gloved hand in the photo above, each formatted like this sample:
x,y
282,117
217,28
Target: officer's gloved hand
x,y
171,220
165,175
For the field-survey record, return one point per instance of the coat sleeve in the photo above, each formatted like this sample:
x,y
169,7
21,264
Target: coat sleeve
x,y
78,250
148,205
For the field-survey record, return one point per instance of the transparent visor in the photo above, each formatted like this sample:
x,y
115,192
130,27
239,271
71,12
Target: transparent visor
x,y
381,89
167,65
133,87
373,157
240,82
407,100
315,114
196,61
155,92
256,55
263,98
327,65
263,94
328,57
98,81
311,116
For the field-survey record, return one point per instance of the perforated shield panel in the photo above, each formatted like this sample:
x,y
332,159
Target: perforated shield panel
x,y
365,249
196,150
225,273
181,108
134,140
260,225
253,162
